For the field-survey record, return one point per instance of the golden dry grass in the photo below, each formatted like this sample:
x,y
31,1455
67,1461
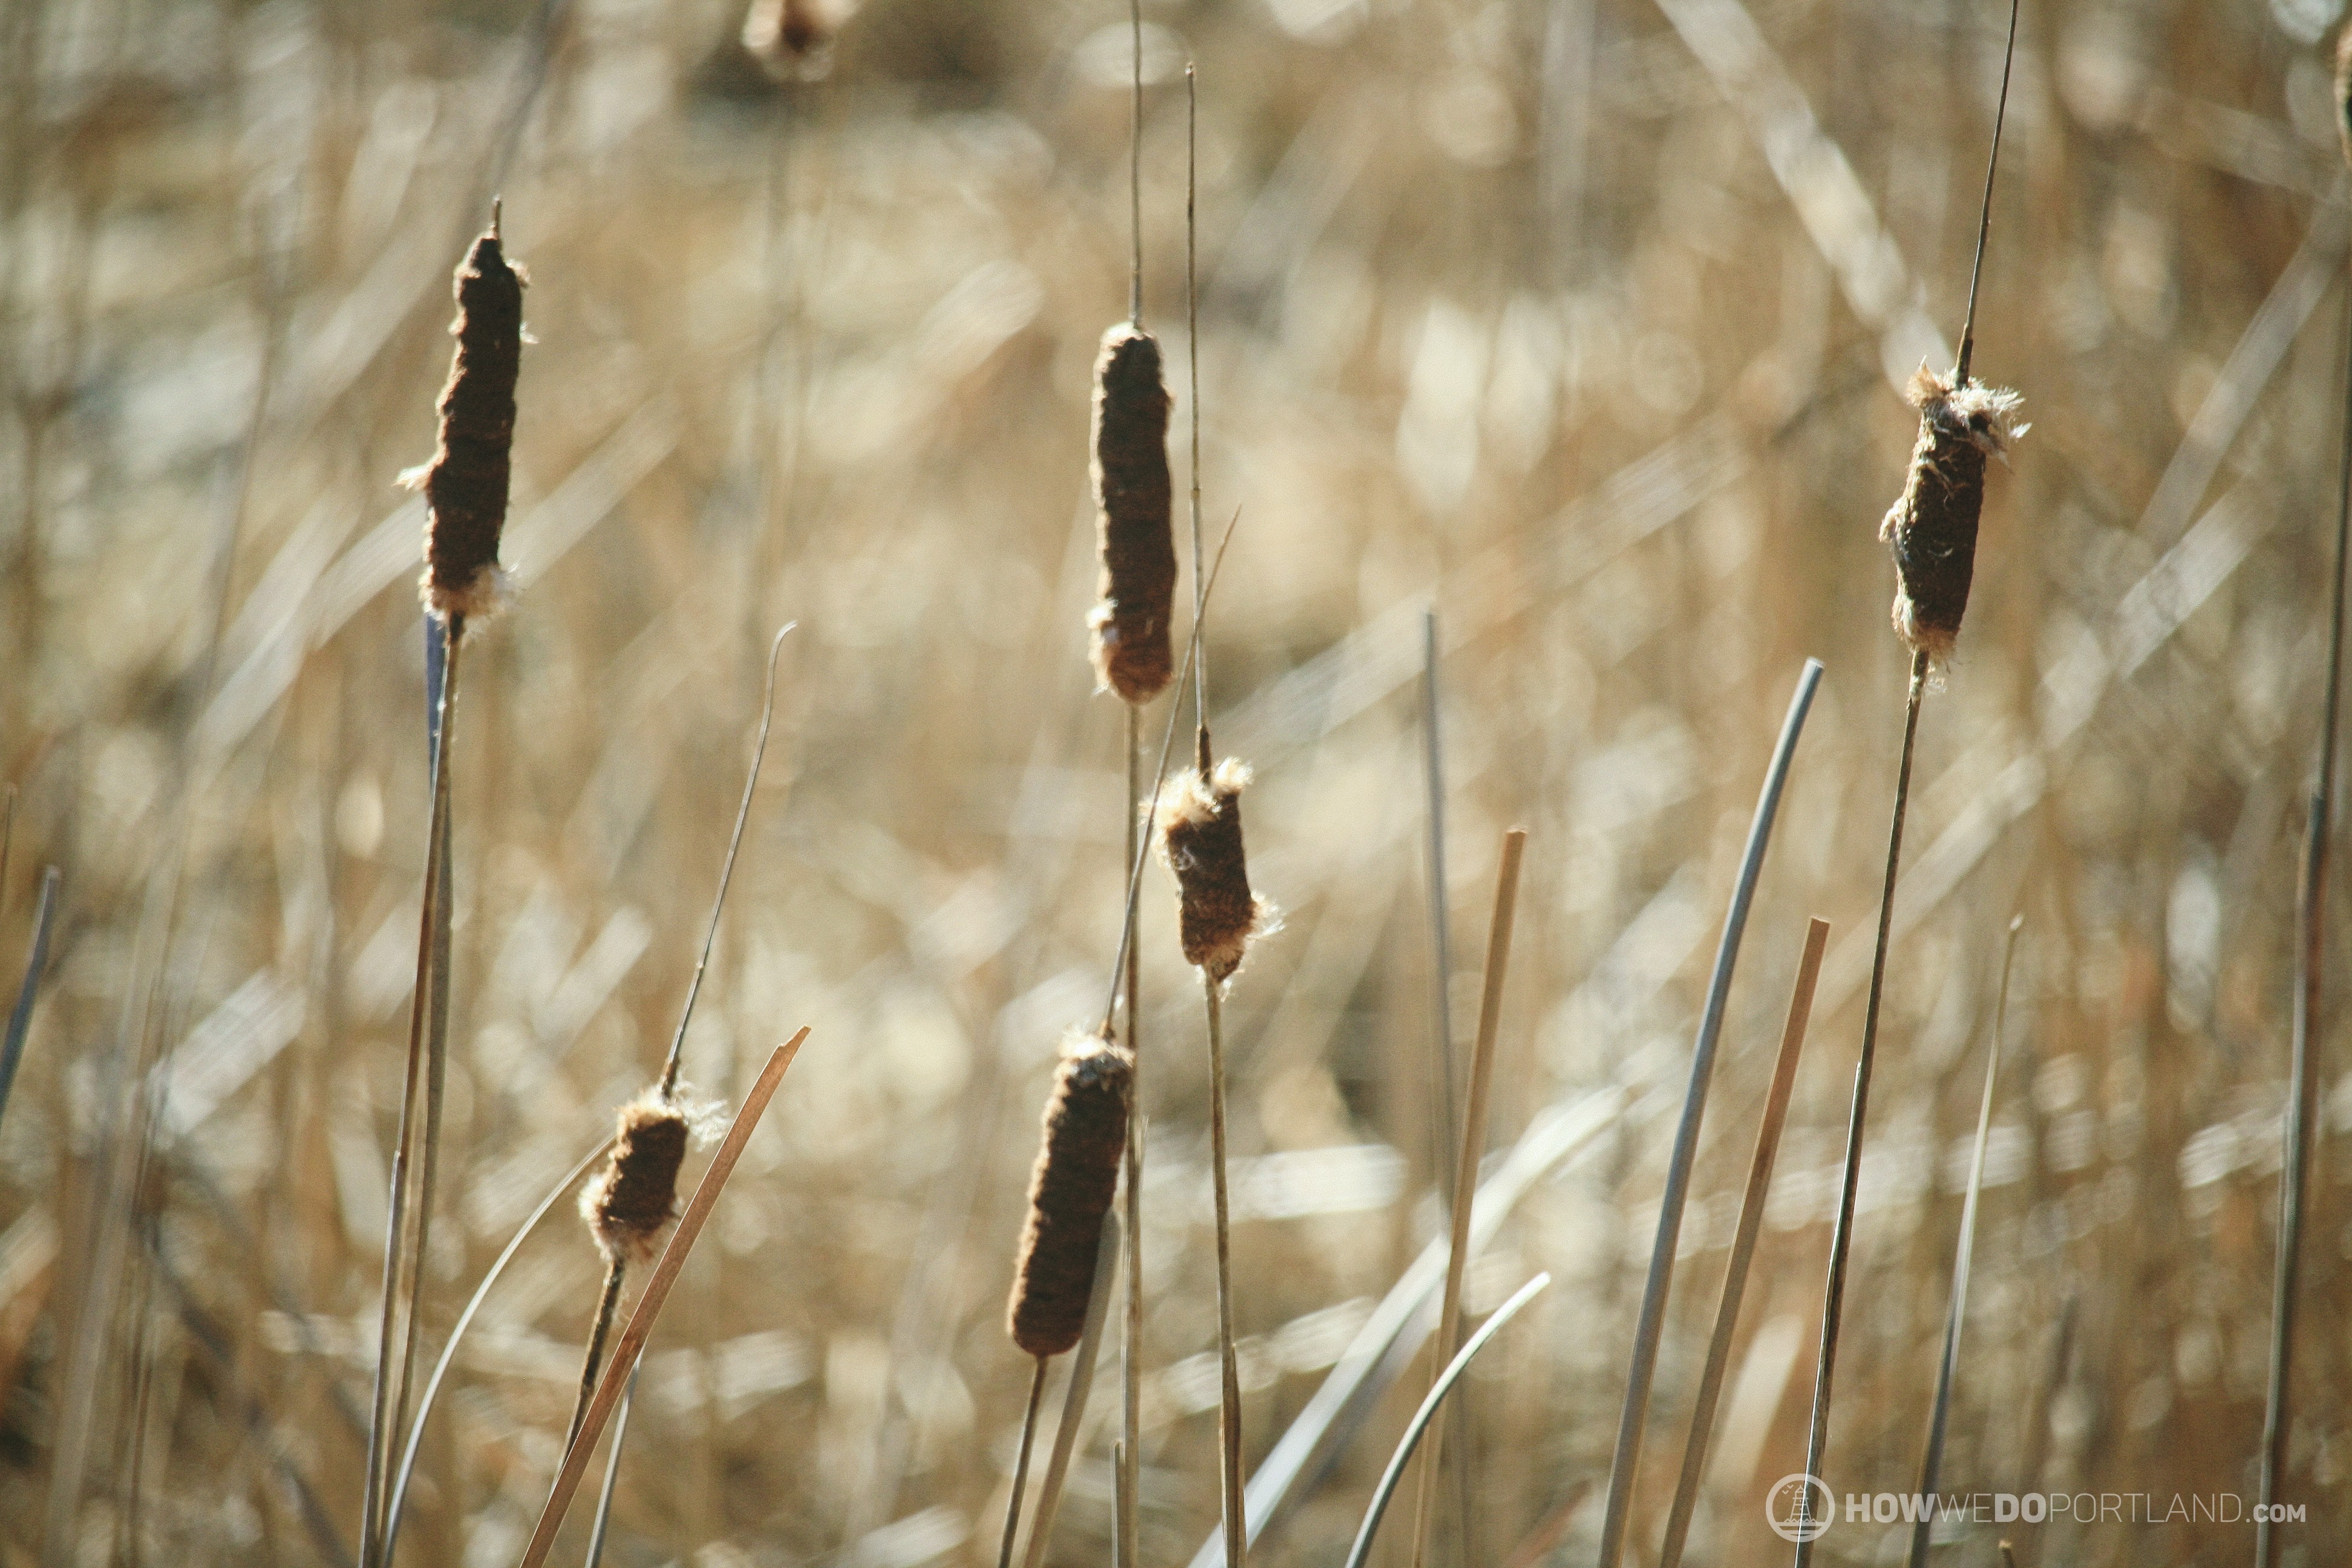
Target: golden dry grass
x,y
1504,306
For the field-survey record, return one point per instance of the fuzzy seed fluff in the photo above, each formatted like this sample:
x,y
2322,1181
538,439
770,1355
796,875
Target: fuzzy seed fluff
x,y
1198,830
1932,527
632,1199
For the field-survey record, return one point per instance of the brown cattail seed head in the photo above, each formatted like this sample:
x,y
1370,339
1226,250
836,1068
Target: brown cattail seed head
x,y
635,1194
1132,500
465,483
793,39
1069,1192
1200,832
1933,528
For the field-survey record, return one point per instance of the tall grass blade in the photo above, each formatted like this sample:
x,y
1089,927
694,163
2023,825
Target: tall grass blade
x,y
1743,1245
1421,1417
1652,1322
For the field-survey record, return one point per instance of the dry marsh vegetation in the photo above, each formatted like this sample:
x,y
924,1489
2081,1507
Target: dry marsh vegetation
x,y
1587,324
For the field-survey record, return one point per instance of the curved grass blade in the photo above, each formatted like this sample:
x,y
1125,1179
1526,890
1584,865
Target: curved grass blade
x,y
1421,1418
1652,1322
458,1337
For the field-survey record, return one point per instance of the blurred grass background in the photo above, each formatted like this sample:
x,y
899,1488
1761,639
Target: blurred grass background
x,y
1579,319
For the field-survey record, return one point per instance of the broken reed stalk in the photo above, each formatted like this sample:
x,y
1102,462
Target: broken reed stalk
x,y
1422,1418
1932,530
1471,1148
1743,1245
1931,1463
2301,1123
1651,1324
406,1238
655,1294
465,489
1080,1151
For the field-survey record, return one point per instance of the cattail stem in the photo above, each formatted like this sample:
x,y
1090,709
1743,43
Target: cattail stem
x,y
1473,1146
1984,219
1135,173
1021,1465
427,1040
1743,1246
1127,1530
1842,1238
2302,1110
1229,1405
1949,1366
1193,372
608,1302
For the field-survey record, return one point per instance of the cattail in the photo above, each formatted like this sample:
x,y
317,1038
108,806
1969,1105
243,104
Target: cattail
x,y
1132,497
1200,822
635,1194
1933,528
793,39
1069,1192
465,483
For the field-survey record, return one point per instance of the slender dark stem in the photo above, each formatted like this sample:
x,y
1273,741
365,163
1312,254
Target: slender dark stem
x,y
1192,362
20,1017
1130,1447
1020,1466
1842,1238
2302,1111
1948,1367
1650,1325
1984,221
1135,173
1229,1417
726,872
8,843
389,1377
608,1302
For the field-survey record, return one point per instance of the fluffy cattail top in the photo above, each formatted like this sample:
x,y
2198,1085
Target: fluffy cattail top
x,y
1933,527
635,1194
1069,1192
1200,832
466,484
1132,500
